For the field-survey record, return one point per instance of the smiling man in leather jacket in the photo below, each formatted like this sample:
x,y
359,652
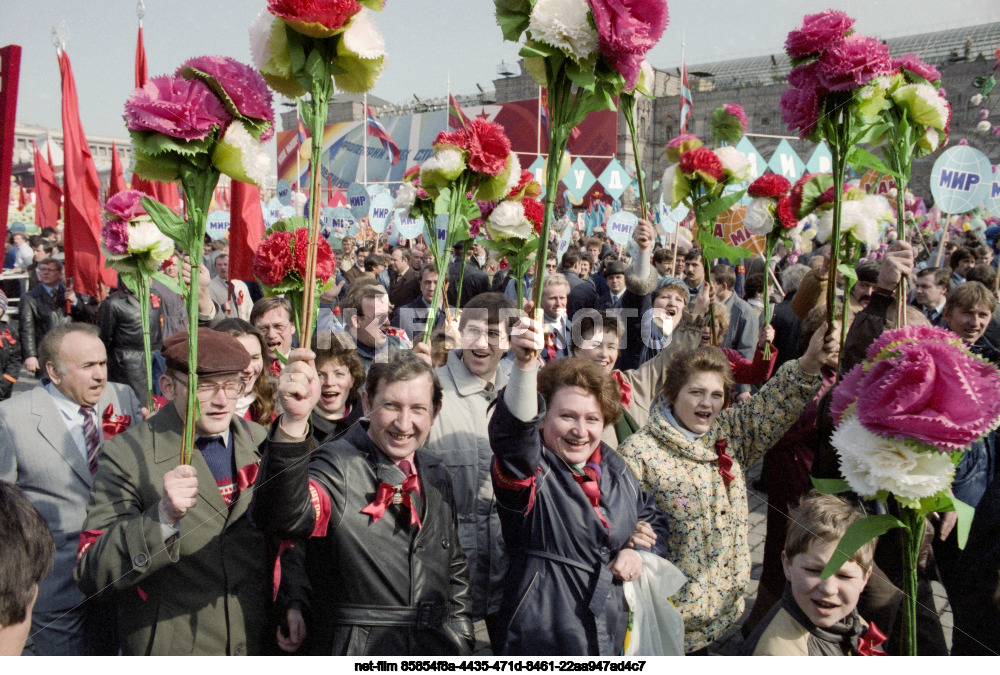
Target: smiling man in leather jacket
x,y
386,570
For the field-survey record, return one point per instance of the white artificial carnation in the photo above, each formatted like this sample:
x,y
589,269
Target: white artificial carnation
x,y
260,38
299,200
976,99
145,237
406,195
871,463
508,220
565,24
759,218
734,162
514,176
362,36
934,109
446,160
241,156
644,85
824,225
667,185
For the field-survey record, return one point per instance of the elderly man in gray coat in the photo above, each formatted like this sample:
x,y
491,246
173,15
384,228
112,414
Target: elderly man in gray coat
x,y
460,439
50,444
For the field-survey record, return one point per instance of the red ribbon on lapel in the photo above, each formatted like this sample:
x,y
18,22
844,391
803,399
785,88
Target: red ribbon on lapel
x,y
725,461
239,299
275,368
246,476
624,387
112,424
384,496
8,336
154,301
868,644
276,580
87,539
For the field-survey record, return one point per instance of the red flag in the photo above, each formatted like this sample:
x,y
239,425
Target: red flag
x,y
116,183
329,188
84,261
456,117
22,197
246,229
10,69
165,193
48,194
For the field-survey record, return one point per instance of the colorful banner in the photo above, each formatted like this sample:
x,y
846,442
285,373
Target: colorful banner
x,y
730,229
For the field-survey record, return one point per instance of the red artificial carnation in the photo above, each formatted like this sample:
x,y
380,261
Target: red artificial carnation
x,y
769,185
534,211
784,213
795,198
316,18
412,173
488,147
458,139
524,187
324,256
701,161
273,260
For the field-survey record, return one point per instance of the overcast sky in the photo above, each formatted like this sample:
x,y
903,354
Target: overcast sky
x,y
428,41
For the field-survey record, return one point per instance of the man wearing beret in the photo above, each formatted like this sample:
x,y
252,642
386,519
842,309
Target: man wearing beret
x,y
173,544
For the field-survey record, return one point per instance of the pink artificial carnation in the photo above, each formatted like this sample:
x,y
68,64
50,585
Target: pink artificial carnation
x,y
852,62
124,205
738,112
243,85
933,392
845,393
805,76
911,333
458,139
488,147
817,33
114,234
912,63
184,109
769,185
800,110
626,30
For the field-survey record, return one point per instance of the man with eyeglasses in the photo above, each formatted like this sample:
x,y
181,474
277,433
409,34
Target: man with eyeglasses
x,y
273,317
460,438
172,543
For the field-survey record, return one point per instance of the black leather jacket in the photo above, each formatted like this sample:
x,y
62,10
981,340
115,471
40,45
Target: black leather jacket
x,y
40,312
378,587
121,332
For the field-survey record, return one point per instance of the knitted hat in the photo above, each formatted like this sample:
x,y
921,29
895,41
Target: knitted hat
x,y
218,353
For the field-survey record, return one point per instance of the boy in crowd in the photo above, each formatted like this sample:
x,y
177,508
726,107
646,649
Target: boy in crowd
x,y
816,616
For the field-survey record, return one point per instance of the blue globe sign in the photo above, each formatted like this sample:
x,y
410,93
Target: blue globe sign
x,y
960,179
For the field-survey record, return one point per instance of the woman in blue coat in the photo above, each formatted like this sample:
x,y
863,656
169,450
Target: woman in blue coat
x,y
569,506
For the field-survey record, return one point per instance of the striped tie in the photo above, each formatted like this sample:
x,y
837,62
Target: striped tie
x,y
92,437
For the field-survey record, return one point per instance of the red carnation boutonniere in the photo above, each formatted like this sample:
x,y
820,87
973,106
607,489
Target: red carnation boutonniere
x,y
246,476
112,424
154,301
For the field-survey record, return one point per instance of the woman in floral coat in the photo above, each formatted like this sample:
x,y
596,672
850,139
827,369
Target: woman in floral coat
x,y
689,458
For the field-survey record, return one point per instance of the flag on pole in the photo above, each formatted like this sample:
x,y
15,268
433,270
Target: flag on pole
x,y
378,131
48,194
10,69
303,135
246,229
456,117
686,103
22,196
141,72
116,183
84,260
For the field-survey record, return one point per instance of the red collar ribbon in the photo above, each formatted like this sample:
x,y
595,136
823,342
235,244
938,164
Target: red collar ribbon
x,y
550,346
9,337
624,387
239,299
591,483
725,462
868,644
112,424
398,494
275,368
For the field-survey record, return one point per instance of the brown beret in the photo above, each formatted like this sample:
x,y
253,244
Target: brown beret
x,y
218,353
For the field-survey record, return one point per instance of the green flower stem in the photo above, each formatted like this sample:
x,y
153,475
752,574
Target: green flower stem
x,y
455,216
320,106
853,253
461,274
142,284
627,104
198,184
838,133
911,552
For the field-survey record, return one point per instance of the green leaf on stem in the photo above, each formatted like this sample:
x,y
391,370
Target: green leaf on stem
x,y
942,503
858,534
712,247
584,78
848,271
719,206
830,486
316,71
512,17
536,49
168,222
168,281
859,158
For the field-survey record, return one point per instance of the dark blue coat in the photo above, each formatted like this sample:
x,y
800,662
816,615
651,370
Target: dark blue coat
x,y
559,595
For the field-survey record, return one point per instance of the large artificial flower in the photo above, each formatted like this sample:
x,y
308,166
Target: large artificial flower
x,y
759,217
891,339
817,33
315,18
509,221
242,157
273,259
702,163
734,162
494,188
269,53
852,62
406,196
144,237
179,108
786,217
729,123
534,211
564,24
922,103
798,203
859,217
769,185
360,55
800,110
527,186
628,29
114,238
324,256
805,76
124,205
242,90
872,464
680,144
915,65
441,169
488,147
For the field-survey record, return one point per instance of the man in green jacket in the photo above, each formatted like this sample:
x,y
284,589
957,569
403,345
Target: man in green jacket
x,y
172,543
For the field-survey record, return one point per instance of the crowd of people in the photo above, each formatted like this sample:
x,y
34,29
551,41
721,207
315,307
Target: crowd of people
x,y
491,489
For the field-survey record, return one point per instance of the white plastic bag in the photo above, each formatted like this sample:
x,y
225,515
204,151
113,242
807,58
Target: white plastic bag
x,y
657,626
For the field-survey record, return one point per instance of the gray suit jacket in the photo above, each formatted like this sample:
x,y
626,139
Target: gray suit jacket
x,y
38,453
